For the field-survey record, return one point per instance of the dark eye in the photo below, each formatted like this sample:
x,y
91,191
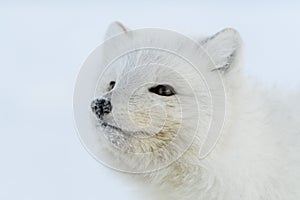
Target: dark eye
x,y
163,90
111,85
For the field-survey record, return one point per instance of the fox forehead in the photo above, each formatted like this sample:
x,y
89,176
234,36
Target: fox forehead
x,y
152,67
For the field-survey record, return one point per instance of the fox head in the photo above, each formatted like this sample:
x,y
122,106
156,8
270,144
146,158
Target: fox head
x,y
151,104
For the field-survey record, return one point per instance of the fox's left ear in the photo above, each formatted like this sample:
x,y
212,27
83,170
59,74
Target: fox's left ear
x,y
224,48
114,29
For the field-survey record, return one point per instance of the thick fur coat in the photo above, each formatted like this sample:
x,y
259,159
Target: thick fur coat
x,y
256,157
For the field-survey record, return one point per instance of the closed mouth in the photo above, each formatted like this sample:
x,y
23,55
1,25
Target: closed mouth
x,y
111,128
106,125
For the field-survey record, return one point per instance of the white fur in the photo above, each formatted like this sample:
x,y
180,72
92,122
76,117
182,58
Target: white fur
x,y
257,156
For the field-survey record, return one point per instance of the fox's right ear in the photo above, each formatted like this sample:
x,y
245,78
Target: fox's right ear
x,y
224,48
114,29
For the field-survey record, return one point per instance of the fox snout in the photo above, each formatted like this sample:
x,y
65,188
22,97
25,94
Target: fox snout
x,y
101,107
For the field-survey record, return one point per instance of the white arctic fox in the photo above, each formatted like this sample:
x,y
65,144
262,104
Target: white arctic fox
x,y
151,109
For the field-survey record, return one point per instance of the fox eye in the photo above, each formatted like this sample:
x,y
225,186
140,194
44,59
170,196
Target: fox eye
x,y
163,90
111,85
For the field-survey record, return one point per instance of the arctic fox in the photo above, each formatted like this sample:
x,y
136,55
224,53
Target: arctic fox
x,y
146,107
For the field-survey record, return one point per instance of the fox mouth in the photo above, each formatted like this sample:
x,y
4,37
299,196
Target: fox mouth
x,y
111,129
105,125
121,138
115,135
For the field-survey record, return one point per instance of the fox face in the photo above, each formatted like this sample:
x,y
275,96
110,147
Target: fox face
x,y
154,103
140,109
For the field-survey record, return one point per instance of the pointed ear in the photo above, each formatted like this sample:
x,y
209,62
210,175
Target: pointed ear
x,y
114,29
223,48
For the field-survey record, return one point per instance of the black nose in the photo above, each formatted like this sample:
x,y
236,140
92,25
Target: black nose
x,y
101,107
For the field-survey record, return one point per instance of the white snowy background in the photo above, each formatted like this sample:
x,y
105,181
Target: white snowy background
x,y
42,46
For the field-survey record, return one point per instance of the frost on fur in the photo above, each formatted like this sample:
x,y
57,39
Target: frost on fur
x,y
148,103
